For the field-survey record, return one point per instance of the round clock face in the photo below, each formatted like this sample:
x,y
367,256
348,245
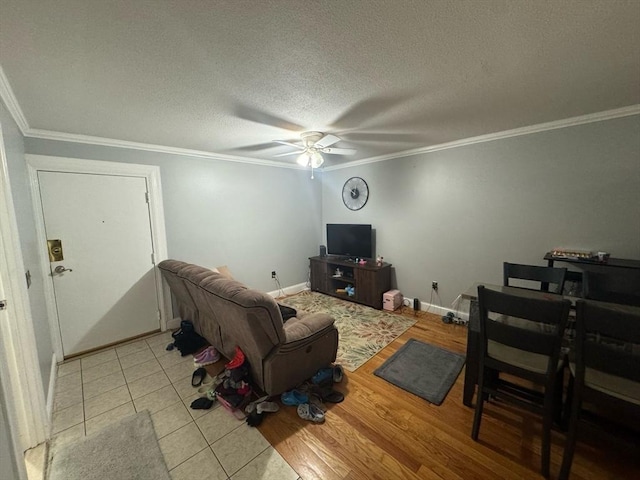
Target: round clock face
x,y
355,193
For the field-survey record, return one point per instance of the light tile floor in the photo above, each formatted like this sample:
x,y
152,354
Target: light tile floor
x,y
98,389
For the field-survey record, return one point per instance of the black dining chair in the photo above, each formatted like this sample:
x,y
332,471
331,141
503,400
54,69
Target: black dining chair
x,y
535,277
605,368
523,350
614,286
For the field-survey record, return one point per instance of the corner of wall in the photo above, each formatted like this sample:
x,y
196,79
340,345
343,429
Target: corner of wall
x,y
51,393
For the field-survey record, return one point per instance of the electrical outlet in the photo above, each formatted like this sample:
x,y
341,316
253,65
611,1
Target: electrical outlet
x,y
434,286
273,274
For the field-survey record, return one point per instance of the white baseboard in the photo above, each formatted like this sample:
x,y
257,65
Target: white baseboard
x,y
293,289
437,309
51,393
424,306
174,323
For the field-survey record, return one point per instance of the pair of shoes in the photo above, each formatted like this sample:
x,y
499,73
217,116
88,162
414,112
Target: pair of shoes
x,y
328,375
198,377
294,397
270,407
252,405
323,376
256,416
202,404
338,373
311,412
208,356
209,392
209,385
322,393
257,409
328,394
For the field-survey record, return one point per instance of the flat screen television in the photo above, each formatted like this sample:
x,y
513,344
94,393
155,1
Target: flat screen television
x,y
349,240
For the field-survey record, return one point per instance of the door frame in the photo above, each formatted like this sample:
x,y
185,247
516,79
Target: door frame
x,y
151,173
19,364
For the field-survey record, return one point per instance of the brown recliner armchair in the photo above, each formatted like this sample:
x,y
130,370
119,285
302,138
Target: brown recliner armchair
x,y
280,355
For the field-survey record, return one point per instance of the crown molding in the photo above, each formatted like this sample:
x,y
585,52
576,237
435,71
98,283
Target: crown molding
x,y
111,142
6,93
9,99
541,127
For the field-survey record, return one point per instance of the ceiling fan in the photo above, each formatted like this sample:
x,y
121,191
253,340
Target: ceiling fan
x,y
314,144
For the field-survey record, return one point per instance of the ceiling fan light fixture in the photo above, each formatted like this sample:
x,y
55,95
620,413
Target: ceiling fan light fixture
x,y
310,158
316,159
303,159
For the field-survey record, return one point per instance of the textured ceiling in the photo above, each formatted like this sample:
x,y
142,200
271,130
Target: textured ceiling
x,y
384,75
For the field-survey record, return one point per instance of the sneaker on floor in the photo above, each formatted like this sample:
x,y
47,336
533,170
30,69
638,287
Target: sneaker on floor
x,y
201,354
209,356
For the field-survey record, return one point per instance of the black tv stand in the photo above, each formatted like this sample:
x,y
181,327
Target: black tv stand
x,y
369,280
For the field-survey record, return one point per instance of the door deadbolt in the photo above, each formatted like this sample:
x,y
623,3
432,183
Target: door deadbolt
x,y
55,250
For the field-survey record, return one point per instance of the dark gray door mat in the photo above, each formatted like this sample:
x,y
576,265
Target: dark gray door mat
x,y
422,369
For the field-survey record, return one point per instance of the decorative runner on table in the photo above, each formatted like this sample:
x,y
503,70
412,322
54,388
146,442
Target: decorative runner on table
x,y
364,331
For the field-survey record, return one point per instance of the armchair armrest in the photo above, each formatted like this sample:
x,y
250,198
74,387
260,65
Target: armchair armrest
x,y
306,325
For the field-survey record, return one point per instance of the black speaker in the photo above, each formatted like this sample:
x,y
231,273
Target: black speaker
x,y
323,251
416,304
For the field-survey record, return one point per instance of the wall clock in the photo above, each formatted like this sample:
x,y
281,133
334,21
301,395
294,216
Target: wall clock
x,y
355,193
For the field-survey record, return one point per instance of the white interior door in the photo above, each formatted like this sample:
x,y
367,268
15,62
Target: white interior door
x,y
9,446
104,288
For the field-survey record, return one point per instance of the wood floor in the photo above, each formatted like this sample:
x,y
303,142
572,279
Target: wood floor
x,y
382,432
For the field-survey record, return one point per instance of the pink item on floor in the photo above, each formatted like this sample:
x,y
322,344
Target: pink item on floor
x,y
207,357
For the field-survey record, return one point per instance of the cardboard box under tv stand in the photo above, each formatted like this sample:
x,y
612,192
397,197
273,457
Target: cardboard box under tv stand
x,y
370,281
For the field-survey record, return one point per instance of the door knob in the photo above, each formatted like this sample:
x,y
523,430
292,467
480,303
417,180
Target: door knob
x,y
61,269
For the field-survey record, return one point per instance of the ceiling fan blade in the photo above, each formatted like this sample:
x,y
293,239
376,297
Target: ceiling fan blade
x,y
367,109
338,151
254,148
375,137
286,154
258,116
294,145
326,141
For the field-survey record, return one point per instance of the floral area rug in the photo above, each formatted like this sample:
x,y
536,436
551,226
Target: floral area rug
x,y
364,331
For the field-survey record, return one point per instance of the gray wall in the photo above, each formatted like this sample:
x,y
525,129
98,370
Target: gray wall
x,y
252,218
18,177
455,215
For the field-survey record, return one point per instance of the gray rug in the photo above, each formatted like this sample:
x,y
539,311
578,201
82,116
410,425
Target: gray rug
x,y
126,449
422,369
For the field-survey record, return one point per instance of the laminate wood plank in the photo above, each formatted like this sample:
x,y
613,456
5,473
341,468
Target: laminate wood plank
x,y
372,431
455,426
382,432
363,453
294,439
419,445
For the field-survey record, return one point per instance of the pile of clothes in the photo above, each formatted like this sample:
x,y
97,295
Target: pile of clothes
x,y
232,387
